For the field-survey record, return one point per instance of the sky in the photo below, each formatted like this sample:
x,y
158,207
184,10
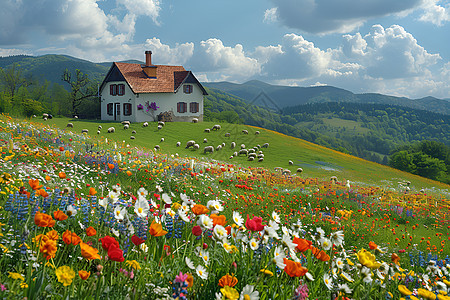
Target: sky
x,y
399,48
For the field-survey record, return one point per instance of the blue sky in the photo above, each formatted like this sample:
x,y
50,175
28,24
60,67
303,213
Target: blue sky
x,y
399,47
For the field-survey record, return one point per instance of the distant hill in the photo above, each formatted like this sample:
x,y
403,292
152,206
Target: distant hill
x,y
277,97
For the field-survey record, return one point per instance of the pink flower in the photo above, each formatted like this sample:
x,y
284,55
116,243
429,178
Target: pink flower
x,y
254,224
181,277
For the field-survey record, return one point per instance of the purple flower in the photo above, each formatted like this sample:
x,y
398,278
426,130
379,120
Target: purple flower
x,y
140,107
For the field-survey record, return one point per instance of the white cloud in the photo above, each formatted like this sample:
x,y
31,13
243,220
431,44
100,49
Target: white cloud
x,y
150,8
435,13
164,54
327,16
270,15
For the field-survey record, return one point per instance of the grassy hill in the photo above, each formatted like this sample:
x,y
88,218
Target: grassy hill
x,y
316,161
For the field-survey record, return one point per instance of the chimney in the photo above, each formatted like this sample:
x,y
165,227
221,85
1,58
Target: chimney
x,y
148,68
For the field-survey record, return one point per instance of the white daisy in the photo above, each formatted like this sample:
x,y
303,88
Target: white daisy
x,y
276,217
337,238
71,211
328,281
220,232
325,243
141,207
119,212
254,244
166,198
142,192
201,272
237,218
249,293
189,263
205,222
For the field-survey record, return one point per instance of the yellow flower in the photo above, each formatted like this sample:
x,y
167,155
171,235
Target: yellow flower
x,y
404,290
229,293
16,276
65,275
267,272
175,206
23,285
134,264
426,294
367,259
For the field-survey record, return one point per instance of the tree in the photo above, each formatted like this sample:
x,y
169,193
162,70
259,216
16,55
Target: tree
x,y
81,88
13,79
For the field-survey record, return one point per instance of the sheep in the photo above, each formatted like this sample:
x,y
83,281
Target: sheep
x,y
260,159
45,119
157,147
76,117
251,158
100,127
216,127
266,145
333,179
233,144
98,131
44,116
276,169
209,149
160,127
162,139
245,131
126,123
84,131
218,147
207,130
133,132
252,155
251,150
126,126
70,125
178,144
196,146
299,170
227,134
242,146
161,123
286,172
194,120
235,154
132,137
260,152
190,144
257,132
291,162
223,145
260,155
243,151
145,124
231,157
205,140
111,130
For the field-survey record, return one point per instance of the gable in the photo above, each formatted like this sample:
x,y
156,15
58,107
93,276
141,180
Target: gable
x,y
188,78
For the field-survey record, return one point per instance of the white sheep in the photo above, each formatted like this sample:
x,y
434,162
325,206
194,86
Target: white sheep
x,y
219,147
205,140
260,159
299,170
207,130
266,145
126,126
260,155
190,144
286,172
126,123
111,130
242,146
245,131
100,127
209,149
196,146
98,131
257,132
132,137
223,145
252,155
157,147
145,124
178,144
44,116
194,120
291,162
160,127
235,154
133,132
84,131
162,139
233,144
70,125
216,127
251,158
243,151
161,123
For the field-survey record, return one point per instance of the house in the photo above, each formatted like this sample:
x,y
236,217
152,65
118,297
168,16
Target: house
x,y
140,93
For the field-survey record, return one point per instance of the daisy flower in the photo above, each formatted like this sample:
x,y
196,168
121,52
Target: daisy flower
x,y
325,243
189,263
276,217
249,293
220,232
141,207
254,244
237,218
201,272
328,281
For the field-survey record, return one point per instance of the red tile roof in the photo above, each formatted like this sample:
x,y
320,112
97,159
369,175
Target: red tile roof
x,y
167,80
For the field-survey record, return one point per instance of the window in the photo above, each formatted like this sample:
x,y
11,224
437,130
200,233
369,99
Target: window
x,y
187,88
121,89
193,107
181,107
113,89
109,109
127,109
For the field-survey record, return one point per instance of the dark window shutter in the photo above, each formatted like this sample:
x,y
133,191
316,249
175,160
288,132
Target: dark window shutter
x,y
111,89
197,107
178,106
184,107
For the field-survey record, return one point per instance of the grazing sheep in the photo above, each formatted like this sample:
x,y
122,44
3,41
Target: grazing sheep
x,y
160,127
132,137
291,162
216,127
218,147
286,172
157,147
145,124
235,154
98,131
252,155
227,134
209,149
111,130
260,152
260,155
233,144
45,119
299,170
278,169
194,120
133,132
190,144
178,144
84,131
231,157
258,146
196,146
70,125
251,158
333,179
260,159
161,123
243,151
76,117
245,131
257,132
126,126
207,130
223,145
44,116
266,145
162,139
242,146
251,150
100,127
126,123
205,140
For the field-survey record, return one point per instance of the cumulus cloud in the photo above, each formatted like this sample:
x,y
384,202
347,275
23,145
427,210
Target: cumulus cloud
x,y
435,13
327,16
270,15
150,8
164,54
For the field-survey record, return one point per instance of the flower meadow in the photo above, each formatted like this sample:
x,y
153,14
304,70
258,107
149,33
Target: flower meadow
x,y
97,219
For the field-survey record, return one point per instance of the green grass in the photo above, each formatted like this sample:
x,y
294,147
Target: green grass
x,y
316,161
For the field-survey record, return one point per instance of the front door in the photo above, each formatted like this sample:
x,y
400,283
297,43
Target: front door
x,y
116,111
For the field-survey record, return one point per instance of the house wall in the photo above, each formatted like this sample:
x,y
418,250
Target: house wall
x,y
165,101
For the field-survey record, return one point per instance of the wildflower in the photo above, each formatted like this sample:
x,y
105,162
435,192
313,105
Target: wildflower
x,y
115,253
375,247
23,285
229,280
119,213
156,229
328,281
339,263
220,232
71,238
196,230
48,249
286,240
34,183
43,220
107,241
16,276
347,277
71,211
92,191
137,240
141,207
229,293
189,263
344,288
89,252
321,232
367,259
65,275
294,269
395,258
205,222
201,272
113,197
309,276
218,219
404,290
62,175
90,231
254,224
214,206
143,248
199,209
237,218
103,202
190,280
254,244
183,216
279,257
276,217
42,193
134,264
166,198
325,243
53,235
205,256
84,274
229,248
302,244
59,215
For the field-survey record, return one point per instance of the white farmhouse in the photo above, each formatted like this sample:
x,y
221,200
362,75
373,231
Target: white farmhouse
x,y
139,93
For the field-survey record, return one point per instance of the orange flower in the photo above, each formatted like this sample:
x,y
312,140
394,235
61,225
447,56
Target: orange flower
x,y
53,235
229,280
89,252
373,246
395,258
62,175
42,193
84,274
129,173
48,249
43,220
40,240
156,229
294,269
320,254
71,238
199,209
34,183
218,220
111,166
90,231
92,191
59,215
302,244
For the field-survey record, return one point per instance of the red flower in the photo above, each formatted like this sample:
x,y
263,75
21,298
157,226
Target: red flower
x,y
115,253
107,241
137,240
302,244
254,224
196,230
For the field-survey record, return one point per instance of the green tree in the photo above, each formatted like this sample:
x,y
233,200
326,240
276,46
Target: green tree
x,y
402,160
12,79
81,88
